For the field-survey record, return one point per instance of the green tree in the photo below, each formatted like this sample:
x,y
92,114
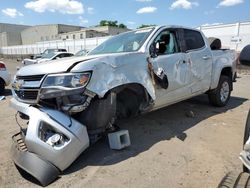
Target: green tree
x,y
103,23
108,23
112,23
145,25
122,26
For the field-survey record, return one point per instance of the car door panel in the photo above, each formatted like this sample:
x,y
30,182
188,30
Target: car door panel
x,y
175,66
200,60
176,69
200,70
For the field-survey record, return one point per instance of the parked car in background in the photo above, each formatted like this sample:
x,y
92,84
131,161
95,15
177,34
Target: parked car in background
x,y
244,57
47,57
47,51
5,77
81,53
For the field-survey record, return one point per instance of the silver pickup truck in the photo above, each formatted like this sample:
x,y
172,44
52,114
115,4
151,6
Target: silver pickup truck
x,y
70,103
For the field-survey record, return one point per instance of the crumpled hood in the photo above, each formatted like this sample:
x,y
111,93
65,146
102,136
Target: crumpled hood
x,y
55,66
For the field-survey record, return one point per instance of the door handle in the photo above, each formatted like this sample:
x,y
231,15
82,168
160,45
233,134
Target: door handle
x,y
206,57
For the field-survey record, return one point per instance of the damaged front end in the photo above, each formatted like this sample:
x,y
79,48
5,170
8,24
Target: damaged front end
x,y
53,138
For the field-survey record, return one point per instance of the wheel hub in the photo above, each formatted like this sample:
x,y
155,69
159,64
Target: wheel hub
x,y
224,92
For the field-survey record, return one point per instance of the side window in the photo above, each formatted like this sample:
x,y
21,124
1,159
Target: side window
x,y
61,56
193,39
67,55
57,56
64,55
167,42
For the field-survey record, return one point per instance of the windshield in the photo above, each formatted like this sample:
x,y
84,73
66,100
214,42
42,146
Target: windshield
x,y
81,53
126,42
48,56
47,51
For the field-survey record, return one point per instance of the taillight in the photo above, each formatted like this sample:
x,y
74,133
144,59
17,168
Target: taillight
x,y
2,67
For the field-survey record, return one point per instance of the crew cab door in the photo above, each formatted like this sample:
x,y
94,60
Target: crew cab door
x,y
199,58
174,64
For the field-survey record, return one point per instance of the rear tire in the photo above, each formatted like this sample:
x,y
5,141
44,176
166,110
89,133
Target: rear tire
x,y
235,180
220,96
2,86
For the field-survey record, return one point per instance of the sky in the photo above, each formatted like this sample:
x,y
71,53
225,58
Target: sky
x,y
132,13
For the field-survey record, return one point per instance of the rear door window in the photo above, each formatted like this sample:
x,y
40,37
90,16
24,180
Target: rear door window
x,y
193,40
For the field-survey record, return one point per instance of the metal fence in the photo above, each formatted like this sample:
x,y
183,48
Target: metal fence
x,y
70,45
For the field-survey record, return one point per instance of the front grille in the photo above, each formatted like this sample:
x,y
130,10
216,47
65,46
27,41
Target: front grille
x,y
27,94
30,78
26,88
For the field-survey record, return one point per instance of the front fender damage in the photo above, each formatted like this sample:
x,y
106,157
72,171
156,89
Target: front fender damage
x,y
49,144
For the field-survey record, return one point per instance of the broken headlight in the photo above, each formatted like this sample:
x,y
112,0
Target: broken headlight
x,y
67,80
56,85
51,137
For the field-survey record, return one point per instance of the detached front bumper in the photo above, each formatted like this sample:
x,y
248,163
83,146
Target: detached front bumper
x,y
34,153
40,169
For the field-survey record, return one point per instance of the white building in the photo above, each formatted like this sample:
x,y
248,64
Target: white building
x,y
98,31
10,34
82,34
47,32
110,30
234,36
